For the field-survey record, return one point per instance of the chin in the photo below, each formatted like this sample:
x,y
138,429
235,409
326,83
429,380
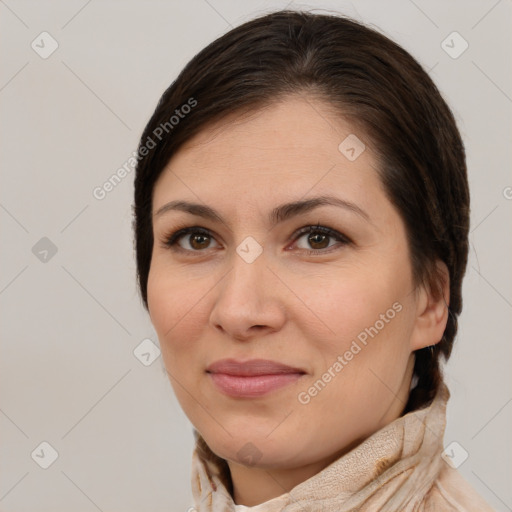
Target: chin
x,y
257,450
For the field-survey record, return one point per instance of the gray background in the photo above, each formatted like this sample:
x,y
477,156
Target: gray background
x,y
71,320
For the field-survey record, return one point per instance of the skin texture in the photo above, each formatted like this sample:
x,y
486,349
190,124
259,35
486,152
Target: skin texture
x,y
207,303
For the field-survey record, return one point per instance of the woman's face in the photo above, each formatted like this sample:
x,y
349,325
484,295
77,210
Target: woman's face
x,y
338,308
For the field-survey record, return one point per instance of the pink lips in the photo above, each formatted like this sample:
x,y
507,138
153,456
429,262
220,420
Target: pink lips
x,y
252,378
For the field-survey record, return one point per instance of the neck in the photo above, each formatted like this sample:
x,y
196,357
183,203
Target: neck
x,y
253,486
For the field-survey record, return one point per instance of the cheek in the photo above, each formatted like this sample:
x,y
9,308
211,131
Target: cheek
x,y
174,304
174,307
367,317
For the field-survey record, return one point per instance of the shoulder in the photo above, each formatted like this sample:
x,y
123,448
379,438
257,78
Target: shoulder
x,y
452,492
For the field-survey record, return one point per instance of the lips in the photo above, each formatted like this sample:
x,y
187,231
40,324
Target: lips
x,y
253,378
251,367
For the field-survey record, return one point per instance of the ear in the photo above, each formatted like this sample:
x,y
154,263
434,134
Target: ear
x,y
432,310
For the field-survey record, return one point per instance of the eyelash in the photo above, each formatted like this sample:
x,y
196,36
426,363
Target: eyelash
x,y
171,240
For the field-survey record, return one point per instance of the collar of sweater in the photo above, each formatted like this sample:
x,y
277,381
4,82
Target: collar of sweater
x,y
393,469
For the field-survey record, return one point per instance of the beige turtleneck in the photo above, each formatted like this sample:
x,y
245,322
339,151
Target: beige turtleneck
x,y
398,468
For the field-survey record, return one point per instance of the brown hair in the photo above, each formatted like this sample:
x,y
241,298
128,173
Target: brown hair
x,y
369,80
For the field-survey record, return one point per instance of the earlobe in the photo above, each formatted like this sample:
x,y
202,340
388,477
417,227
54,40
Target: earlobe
x,y
432,310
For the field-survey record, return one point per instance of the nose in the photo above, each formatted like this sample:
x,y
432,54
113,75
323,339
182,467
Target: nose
x,y
249,300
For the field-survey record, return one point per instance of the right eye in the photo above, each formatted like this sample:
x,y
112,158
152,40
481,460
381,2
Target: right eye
x,y
197,238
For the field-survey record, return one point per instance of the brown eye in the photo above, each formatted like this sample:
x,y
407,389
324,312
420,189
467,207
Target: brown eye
x,y
190,239
317,239
199,241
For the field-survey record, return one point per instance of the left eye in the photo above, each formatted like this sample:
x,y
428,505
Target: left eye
x,y
317,237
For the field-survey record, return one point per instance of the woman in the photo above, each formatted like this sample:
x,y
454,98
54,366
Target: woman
x,y
301,233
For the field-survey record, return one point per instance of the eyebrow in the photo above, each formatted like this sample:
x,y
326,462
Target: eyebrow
x,y
281,213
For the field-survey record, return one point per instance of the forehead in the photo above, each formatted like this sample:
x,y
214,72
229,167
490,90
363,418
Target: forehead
x,y
287,150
